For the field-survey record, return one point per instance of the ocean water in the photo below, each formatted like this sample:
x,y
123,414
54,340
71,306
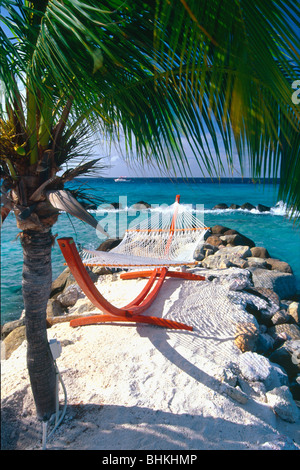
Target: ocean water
x,y
272,229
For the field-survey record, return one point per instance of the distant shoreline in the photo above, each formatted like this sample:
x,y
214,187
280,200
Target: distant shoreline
x,y
191,179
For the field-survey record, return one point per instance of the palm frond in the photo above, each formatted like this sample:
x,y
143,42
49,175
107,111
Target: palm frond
x,y
64,201
157,72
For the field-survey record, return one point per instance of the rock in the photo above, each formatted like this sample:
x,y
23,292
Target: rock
x,y
281,317
247,206
109,244
246,336
62,281
253,389
236,240
288,357
259,252
228,376
12,341
54,308
254,262
281,401
218,229
266,294
264,344
227,257
257,368
208,247
295,387
234,279
277,265
234,206
100,271
241,251
70,296
203,251
231,232
9,326
220,206
280,443
239,281
260,306
294,311
284,284
234,393
213,262
262,208
209,252
83,305
141,205
286,331
65,280
214,240
199,254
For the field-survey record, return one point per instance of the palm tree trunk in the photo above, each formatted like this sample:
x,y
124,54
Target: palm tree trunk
x,y
36,283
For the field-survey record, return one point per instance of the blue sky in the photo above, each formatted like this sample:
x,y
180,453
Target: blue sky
x,y
117,166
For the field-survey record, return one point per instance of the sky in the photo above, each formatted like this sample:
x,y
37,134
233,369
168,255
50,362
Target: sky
x,y
118,166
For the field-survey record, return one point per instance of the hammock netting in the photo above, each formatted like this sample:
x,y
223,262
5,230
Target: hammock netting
x,y
168,238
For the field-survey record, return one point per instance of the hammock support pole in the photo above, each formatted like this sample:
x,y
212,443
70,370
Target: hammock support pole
x,y
131,312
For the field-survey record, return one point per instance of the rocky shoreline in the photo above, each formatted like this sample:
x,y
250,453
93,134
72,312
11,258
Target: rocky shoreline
x,y
246,206
264,287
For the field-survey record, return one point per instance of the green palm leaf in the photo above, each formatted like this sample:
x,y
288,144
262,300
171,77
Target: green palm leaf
x,y
156,72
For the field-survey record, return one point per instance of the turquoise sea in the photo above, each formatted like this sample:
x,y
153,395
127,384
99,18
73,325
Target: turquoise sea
x,y
271,229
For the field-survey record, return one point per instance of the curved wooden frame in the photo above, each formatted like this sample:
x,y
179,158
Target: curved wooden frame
x,y
132,311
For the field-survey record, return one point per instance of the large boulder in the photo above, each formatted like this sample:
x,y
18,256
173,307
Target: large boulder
x,y
277,265
12,341
8,327
228,256
259,252
281,401
214,240
285,331
263,208
294,311
64,280
54,308
247,206
288,357
254,262
70,296
237,239
257,368
220,206
218,229
284,284
109,244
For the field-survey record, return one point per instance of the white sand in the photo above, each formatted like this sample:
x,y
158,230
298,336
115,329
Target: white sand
x,y
141,387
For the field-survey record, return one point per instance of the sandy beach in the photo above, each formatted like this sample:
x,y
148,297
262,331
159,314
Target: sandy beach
x,y
142,387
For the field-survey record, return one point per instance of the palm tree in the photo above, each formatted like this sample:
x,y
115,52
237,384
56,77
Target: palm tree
x,y
153,72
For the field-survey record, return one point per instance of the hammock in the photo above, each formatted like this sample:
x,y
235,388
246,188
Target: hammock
x,y
166,240
163,239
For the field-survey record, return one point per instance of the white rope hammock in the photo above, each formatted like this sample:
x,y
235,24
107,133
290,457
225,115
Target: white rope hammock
x,y
167,238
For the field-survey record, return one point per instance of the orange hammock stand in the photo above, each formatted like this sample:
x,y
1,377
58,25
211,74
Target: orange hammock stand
x,y
133,311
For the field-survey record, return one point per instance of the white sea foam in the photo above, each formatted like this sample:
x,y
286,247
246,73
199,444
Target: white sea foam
x,y
280,209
